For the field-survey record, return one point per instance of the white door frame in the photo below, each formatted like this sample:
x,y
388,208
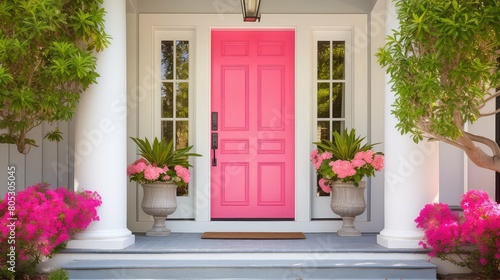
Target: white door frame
x,y
304,25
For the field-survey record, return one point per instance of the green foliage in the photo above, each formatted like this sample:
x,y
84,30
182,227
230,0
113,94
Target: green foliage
x,y
58,274
5,273
47,59
162,153
442,63
344,146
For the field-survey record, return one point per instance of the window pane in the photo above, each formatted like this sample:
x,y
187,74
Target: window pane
x,y
323,60
182,90
167,100
182,59
181,134
323,100
323,130
183,191
338,126
338,90
338,59
167,60
167,130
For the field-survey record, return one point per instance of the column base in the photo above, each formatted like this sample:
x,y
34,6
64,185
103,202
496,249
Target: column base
x,y
112,243
393,242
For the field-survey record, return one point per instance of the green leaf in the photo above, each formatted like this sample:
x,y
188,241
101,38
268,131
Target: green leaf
x,y
162,153
344,146
44,63
55,135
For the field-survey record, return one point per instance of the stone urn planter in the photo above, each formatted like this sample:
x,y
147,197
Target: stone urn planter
x,y
159,201
348,201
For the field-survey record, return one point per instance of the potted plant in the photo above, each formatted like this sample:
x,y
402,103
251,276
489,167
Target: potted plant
x,y
341,165
160,171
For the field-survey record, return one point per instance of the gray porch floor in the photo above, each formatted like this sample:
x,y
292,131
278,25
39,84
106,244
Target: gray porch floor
x,y
192,243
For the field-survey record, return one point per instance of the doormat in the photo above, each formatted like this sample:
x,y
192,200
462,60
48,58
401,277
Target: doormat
x,y
253,235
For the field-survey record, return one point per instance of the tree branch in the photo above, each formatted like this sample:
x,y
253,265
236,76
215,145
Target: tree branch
x,y
494,95
492,145
474,153
486,100
489,114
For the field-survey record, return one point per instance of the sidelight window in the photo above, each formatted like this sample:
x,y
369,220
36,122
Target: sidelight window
x,y
332,85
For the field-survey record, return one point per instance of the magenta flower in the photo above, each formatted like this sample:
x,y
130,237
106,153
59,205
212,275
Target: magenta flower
x,y
46,219
474,235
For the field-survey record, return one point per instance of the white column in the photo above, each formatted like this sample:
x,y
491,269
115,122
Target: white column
x,y
411,173
100,140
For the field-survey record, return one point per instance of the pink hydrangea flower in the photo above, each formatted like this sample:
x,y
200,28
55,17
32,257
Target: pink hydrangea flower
x,y
325,187
183,173
316,159
152,173
368,156
137,167
343,168
359,156
326,155
378,162
358,163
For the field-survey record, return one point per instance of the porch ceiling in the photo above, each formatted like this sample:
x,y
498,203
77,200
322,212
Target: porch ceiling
x,y
267,6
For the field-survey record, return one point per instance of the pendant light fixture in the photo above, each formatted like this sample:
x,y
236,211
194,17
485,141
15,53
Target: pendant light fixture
x,y
250,10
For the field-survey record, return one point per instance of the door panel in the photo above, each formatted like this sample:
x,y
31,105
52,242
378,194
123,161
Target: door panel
x,y
253,174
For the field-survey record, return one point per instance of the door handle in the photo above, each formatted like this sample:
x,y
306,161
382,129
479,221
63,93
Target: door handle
x,y
215,146
215,140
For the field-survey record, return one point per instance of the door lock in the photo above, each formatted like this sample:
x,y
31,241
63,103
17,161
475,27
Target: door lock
x,y
215,121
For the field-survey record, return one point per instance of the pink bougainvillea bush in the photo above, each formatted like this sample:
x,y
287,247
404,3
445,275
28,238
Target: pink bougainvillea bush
x,y
471,239
39,223
345,159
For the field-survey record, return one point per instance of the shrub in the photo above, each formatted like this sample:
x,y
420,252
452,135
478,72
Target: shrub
x,y
40,222
470,240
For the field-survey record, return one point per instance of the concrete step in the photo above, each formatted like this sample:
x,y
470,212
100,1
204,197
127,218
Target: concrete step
x,y
251,269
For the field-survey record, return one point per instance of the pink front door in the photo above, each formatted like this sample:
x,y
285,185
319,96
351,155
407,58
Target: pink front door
x,y
253,124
